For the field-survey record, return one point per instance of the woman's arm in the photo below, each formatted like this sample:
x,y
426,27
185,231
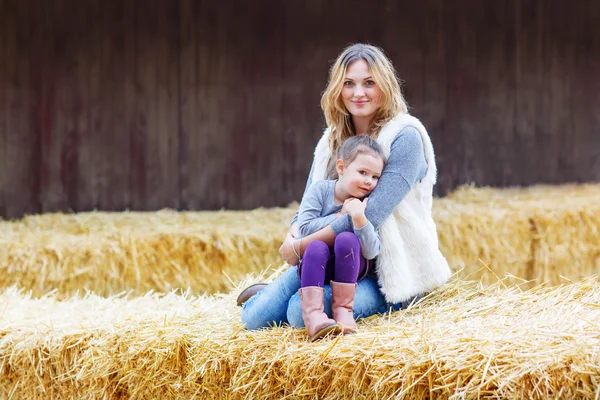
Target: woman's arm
x,y
406,165
291,245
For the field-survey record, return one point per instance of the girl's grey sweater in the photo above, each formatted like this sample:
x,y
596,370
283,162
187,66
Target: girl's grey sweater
x,y
405,166
318,209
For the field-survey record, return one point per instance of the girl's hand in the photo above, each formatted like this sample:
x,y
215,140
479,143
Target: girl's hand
x,y
344,210
355,207
287,251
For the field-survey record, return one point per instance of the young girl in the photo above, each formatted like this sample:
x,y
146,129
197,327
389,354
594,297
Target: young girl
x,y
359,165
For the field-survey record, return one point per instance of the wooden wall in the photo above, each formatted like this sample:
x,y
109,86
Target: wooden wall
x,y
187,104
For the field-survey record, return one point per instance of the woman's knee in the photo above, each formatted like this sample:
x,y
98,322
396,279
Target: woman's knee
x,y
294,312
269,306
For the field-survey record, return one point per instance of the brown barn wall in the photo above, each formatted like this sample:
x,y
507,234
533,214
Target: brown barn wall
x,y
202,104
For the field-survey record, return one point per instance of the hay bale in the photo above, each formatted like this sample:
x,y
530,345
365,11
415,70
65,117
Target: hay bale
x,y
531,233
464,341
473,236
108,253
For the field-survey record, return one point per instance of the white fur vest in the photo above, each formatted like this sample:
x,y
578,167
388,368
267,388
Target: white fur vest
x,y
410,262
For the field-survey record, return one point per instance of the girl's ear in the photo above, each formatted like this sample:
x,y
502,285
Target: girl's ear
x,y
339,166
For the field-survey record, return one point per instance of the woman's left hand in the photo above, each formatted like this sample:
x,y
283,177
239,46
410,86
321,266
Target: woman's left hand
x,y
287,251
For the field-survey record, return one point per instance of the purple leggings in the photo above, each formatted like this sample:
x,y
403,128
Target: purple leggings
x,y
320,266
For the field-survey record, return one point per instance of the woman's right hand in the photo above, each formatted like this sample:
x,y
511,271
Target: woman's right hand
x,y
287,250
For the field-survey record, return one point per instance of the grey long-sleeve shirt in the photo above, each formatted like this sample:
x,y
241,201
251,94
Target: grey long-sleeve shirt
x,y
318,209
405,166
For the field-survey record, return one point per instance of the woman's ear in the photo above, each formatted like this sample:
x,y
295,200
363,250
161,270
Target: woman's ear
x,y
339,166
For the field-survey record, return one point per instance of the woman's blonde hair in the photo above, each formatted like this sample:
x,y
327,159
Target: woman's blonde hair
x,y
337,116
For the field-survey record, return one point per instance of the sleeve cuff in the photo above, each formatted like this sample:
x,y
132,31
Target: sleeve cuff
x,y
342,224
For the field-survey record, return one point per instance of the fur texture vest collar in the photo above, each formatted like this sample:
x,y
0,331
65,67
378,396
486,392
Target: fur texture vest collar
x,y
410,262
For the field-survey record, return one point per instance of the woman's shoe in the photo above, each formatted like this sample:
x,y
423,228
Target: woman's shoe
x,y
317,323
342,304
249,292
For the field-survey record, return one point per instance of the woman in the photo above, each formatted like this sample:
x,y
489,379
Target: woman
x,y
363,97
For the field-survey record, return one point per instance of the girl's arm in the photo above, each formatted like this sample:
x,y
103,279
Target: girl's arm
x,y
311,208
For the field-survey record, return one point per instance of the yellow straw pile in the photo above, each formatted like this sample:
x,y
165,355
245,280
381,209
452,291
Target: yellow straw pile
x,y
464,341
543,233
112,252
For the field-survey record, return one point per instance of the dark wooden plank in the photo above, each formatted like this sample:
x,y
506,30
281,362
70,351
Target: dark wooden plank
x,y
49,112
154,140
555,95
116,61
495,113
420,61
259,164
62,156
212,64
306,62
579,158
88,80
5,54
529,87
19,173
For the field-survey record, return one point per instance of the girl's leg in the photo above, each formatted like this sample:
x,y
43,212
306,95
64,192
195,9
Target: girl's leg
x,y
314,265
349,263
348,260
368,301
269,306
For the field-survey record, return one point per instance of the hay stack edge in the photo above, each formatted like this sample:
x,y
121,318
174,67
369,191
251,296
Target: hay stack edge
x,y
464,341
542,234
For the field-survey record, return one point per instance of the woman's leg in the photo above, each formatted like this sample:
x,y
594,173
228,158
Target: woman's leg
x,y
269,306
368,301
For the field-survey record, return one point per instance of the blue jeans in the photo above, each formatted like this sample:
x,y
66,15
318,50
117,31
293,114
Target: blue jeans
x,y
279,302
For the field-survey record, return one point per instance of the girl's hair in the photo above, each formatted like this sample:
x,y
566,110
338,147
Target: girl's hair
x,y
391,101
355,145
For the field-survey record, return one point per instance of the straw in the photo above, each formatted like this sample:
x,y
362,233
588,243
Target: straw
x,y
541,234
108,253
464,341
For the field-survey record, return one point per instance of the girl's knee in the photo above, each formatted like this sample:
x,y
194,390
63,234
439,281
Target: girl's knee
x,y
317,247
346,240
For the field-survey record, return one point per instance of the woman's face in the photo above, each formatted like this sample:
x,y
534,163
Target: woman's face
x,y
360,92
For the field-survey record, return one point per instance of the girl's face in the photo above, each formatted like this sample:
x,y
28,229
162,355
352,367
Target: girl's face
x,y
360,177
360,92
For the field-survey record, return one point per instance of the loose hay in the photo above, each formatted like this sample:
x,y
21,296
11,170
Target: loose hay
x,y
108,253
464,341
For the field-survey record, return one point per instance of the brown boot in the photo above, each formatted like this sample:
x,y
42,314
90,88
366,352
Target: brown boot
x,y
342,304
249,292
316,321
